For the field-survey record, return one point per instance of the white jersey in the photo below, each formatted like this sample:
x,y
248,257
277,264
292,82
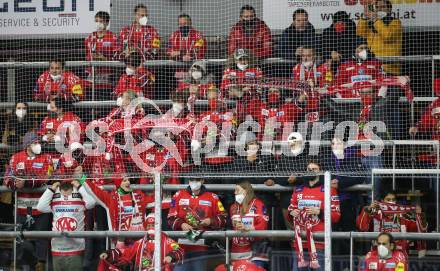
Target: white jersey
x,y
68,215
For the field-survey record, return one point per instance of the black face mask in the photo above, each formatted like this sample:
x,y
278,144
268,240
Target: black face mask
x,y
52,114
307,179
79,156
248,26
184,30
249,23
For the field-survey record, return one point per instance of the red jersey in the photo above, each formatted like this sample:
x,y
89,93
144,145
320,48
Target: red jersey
x,y
190,209
107,46
378,222
68,85
285,113
142,252
200,90
69,120
259,41
193,45
304,197
36,171
239,77
255,219
144,39
240,265
397,262
354,71
142,82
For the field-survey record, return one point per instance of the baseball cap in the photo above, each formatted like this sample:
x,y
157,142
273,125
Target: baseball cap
x,y
29,138
239,53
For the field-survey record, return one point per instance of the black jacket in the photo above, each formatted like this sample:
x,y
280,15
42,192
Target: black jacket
x,y
344,43
291,39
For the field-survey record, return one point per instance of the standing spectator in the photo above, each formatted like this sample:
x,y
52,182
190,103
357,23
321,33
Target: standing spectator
x,y
299,34
136,77
388,216
101,45
382,31
186,43
194,208
248,213
139,36
58,82
339,40
250,33
307,210
385,257
68,203
31,169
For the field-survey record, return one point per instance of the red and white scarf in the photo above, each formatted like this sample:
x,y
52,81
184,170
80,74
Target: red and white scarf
x,y
303,219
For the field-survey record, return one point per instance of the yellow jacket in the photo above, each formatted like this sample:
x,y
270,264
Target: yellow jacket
x,y
385,41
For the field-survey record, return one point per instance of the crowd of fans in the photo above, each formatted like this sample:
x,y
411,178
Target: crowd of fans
x,y
345,67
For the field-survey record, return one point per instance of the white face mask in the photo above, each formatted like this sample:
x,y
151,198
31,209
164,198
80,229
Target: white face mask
x,y
195,185
100,26
177,108
339,153
119,101
68,164
56,77
36,148
108,156
20,113
239,198
48,107
382,251
130,71
363,55
143,21
150,233
381,14
307,64
196,75
242,67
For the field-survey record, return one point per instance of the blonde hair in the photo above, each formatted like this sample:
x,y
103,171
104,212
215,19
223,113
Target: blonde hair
x,y
250,195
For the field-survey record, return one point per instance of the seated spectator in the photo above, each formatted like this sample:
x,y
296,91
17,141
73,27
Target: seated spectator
x,y
388,216
123,107
195,209
18,124
248,213
136,78
30,168
140,256
307,212
68,202
339,40
58,82
386,257
101,45
382,31
298,35
244,265
250,33
139,36
186,43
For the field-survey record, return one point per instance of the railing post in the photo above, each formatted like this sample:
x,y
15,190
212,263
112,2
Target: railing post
x,y
394,166
351,252
157,222
93,90
11,83
228,258
372,185
328,222
15,229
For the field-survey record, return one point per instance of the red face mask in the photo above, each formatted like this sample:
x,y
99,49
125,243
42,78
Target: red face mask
x,y
273,97
339,27
212,104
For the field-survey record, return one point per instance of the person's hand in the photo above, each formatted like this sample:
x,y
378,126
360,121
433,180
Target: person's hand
x,y
98,56
298,51
311,83
239,226
50,137
186,58
186,227
313,211
336,56
103,256
167,259
302,97
174,53
418,210
19,183
193,89
291,179
413,130
269,182
206,222
295,212
373,206
75,183
55,185
140,110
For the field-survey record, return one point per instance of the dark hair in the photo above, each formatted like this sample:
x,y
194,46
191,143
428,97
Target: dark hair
x,y
184,15
62,103
103,15
65,186
57,60
247,7
388,4
314,161
299,11
20,102
387,192
134,59
137,7
390,237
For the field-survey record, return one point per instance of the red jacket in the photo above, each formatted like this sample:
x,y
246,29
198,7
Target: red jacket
x,y
202,89
205,205
142,83
240,265
194,44
260,42
377,222
285,113
68,85
255,219
107,46
397,262
122,214
427,122
305,196
235,76
68,120
144,39
36,171
143,251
